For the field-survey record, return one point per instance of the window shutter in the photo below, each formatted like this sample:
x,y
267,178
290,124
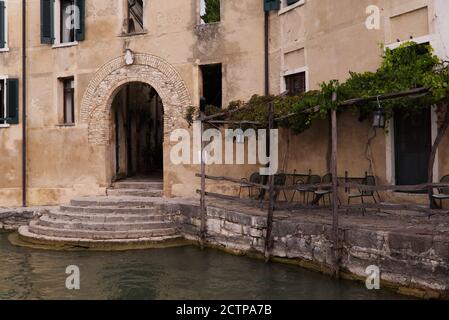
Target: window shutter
x,y
272,5
2,25
12,101
47,22
80,32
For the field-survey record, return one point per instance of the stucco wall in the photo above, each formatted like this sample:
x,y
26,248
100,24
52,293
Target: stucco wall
x,y
332,38
61,161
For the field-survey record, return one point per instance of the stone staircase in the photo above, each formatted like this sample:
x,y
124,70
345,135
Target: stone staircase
x,y
132,215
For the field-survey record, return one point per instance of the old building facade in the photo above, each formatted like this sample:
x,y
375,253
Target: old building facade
x,y
82,130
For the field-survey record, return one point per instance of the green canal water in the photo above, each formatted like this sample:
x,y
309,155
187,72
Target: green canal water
x,y
176,273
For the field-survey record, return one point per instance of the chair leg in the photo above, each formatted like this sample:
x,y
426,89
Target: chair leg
x,y
240,192
363,209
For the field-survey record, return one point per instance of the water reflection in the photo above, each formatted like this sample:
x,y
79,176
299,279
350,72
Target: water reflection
x,y
177,273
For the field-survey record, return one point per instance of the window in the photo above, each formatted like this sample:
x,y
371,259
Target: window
x,y
68,85
3,26
66,11
210,11
135,16
9,101
212,84
288,5
62,21
295,84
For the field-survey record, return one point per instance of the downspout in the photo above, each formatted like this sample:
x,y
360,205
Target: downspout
x,y
267,63
24,105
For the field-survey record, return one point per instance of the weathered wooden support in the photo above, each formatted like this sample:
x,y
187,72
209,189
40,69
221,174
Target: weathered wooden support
x,y
335,222
229,179
256,123
203,227
412,188
388,96
219,196
271,191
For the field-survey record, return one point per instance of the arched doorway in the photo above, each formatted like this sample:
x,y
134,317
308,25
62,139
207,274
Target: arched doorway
x,y
138,120
97,112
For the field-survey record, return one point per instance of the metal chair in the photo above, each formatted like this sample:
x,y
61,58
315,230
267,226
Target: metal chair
x,y
280,181
362,194
254,178
323,192
443,193
313,179
369,181
298,183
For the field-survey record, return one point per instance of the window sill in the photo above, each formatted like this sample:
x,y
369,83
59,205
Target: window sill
x,y
65,45
4,125
66,125
4,50
133,34
291,7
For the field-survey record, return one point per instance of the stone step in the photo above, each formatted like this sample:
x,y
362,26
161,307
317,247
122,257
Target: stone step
x,y
138,185
110,201
109,217
35,228
47,221
135,193
103,244
150,210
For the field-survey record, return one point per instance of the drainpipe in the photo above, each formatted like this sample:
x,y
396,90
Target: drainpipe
x,y
267,64
24,105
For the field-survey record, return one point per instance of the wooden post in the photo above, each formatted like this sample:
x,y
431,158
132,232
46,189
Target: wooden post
x,y
335,227
203,226
441,133
270,216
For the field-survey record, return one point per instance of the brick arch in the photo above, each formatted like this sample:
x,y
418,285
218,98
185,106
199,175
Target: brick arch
x,y
149,69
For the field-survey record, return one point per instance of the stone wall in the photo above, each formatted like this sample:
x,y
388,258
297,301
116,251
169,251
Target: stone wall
x,y
12,219
412,260
410,263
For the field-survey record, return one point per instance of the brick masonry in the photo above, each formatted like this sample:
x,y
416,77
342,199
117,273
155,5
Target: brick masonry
x,y
149,69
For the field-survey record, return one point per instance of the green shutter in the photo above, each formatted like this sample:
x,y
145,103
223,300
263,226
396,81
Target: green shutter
x,y
47,24
2,25
80,32
272,5
12,101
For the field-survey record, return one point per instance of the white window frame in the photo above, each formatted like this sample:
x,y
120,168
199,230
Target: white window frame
x,y
285,8
57,27
292,72
3,124
124,13
6,48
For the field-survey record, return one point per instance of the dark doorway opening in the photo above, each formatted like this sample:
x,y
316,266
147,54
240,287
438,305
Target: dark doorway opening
x,y
413,144
212,84
138,118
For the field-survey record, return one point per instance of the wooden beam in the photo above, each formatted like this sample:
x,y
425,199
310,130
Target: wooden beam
x,y
203,231
335,218
229,179
413,188
235,122
271,193
388,96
